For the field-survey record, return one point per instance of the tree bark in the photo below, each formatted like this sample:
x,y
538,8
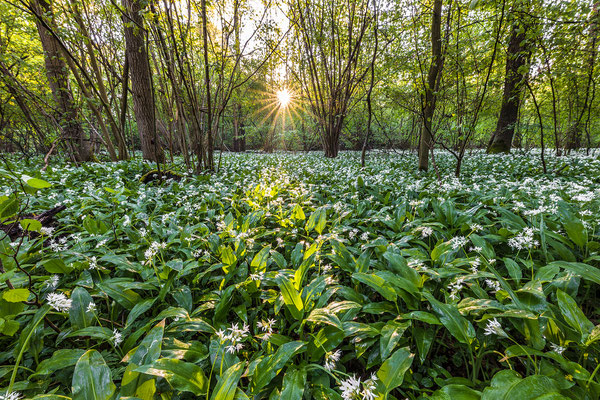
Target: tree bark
x,y
435,69
517,58
141,81
58,80
574,133
209,112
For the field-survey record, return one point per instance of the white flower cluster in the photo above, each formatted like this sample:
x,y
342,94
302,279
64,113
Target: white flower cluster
x,y
353,389
59,301
152,250
234,338
10,396
458,242
116,338
523,240
266,327
493,327
425,231
331,358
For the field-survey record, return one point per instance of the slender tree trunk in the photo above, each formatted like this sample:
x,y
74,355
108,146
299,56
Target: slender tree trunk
x,y
371,85
209,112
435,69
574,134
517,58
58,80
141,81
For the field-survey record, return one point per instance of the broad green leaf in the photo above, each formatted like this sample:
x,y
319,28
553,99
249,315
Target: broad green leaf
x,y
183,376
133,382
91,378
35,182
259,262
293,384
55,266
60,359
391,334
270,366
573,315
451,318
228,383
15,295
32,225
78,315
291,298
376,283
586,271
298,213
508,385
391,373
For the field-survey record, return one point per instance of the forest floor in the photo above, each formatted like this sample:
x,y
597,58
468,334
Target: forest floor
x,y
291,275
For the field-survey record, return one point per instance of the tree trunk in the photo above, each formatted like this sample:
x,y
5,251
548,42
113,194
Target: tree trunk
x,y
209,112
58,80
141,81
435,69
574,133
517,59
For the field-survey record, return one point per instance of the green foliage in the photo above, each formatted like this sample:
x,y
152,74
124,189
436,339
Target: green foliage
x,y
282,277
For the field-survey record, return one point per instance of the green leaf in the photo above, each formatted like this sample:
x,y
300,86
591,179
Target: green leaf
x,y
78,315
35,182
291,298
133,382
456,392
573,315
182,375
91,378
293,384
508,385
391,334
269,366
9,207
60,359
377,283
15,295
259,262
575,229
584,270
32,225
451,318
391,373
55,266
227,385
298,213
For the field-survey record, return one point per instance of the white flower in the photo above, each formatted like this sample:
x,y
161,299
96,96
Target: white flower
x,y
331,359
476,227
267,327
368,391
52,282
46,230
557,349
425,231
365,236
458,242
494,285
93,263
10,396
350,388
493,327
117,337
523,240
59,301
91,307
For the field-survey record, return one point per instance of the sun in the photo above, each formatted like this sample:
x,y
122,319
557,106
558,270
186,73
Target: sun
x,y
284,97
